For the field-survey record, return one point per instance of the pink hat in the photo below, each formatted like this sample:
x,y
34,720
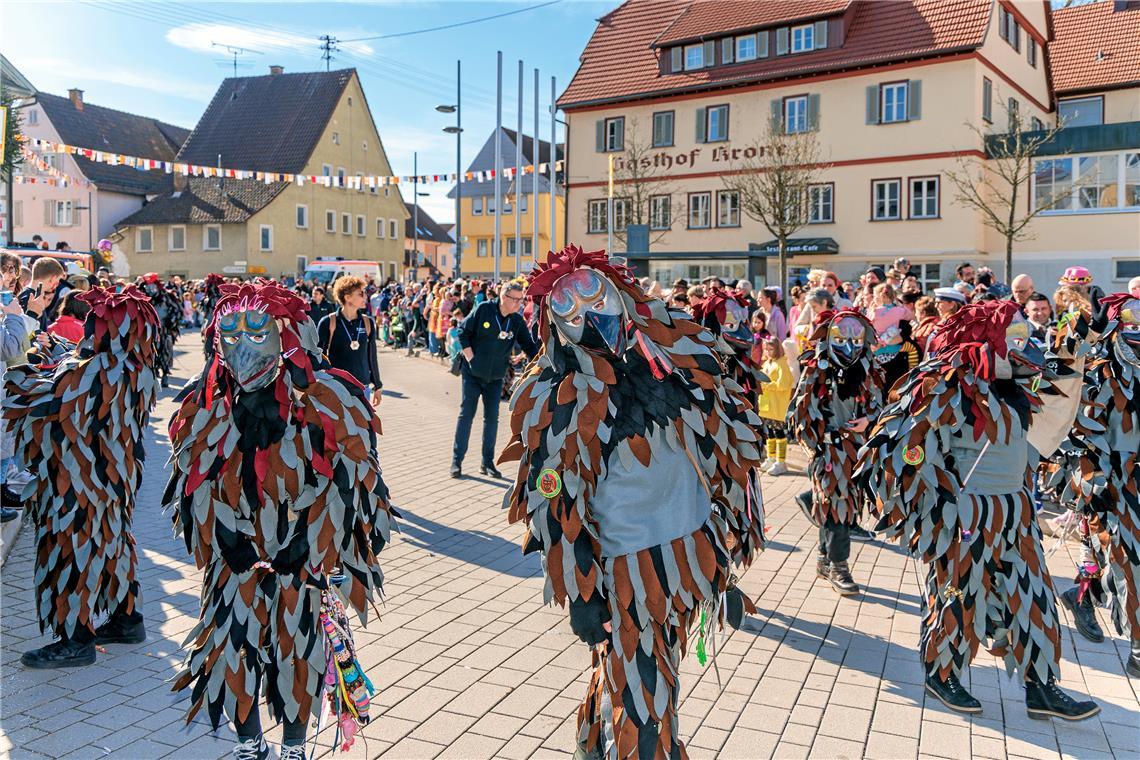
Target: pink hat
x,y
1076,276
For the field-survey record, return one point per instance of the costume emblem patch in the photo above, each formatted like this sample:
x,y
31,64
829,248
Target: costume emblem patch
x,y
914,455
486,325
1036,384
549,483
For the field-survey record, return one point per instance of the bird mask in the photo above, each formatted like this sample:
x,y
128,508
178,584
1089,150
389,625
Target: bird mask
x,y
250,342
587,310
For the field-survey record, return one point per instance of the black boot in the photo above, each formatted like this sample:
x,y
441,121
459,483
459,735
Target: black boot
x,y
841,580
859,533
65,653
1132,667
121,629
822,567
1083,614
489,469
805,504
1044,701
953,694
456,471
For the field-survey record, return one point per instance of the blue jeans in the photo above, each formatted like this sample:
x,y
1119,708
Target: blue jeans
x,y
474,388
433,344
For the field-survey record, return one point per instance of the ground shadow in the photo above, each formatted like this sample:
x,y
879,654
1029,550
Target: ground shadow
x,y
471,546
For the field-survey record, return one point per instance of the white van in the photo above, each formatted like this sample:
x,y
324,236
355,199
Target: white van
x,y
325,271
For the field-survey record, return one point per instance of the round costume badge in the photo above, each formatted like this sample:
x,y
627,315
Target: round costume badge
x,y
486,325
549,483
914,455
354,345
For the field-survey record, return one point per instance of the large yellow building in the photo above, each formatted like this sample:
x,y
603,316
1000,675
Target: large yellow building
x,y
313,123
891,90
478,205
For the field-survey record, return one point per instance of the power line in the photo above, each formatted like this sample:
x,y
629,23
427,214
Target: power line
x,y
457,24
328,47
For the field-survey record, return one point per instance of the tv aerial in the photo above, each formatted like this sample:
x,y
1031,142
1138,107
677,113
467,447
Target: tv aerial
x,y
235,52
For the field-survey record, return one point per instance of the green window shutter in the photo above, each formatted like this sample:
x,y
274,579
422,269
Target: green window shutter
x,y
782,41
762,44
600,136
621,134
873,104
727,50
914,100
701,123
776,116
820,34
676,62
710,53
813,112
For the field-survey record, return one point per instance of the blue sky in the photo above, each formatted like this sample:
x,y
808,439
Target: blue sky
x,y
155,58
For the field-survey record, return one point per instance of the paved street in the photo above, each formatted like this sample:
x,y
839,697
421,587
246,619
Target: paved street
x,y
470,664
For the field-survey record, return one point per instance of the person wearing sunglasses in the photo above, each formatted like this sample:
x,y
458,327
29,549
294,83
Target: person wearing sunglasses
x,y
487,338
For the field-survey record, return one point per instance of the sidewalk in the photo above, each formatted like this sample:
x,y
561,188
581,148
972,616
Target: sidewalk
x,y
470,664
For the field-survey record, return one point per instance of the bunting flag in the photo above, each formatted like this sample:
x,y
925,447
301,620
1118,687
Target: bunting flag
x,y
350,181
55,178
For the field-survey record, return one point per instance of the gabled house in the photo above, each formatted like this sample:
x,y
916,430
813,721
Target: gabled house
x,y
478,203
429,245
311,123
97,195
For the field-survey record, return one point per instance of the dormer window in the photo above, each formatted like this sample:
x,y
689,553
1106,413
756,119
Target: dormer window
x,y
746,48
694,57
803,38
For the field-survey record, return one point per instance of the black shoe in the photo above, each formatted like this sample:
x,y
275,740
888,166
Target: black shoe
x,y
1132,667
1083,615
841,580
489,469
10,498
251,749
859,533
7,515
456,472
822,567
804,502
62,654
119,629
1048,701
953,694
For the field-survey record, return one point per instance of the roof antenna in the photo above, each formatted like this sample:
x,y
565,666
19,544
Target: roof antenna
x,y
328,47
235,52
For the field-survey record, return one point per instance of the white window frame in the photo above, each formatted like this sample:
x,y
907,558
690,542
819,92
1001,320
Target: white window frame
x,y
330,220
170,237
261,230
614,138
326,170
695,207
361,225
801,103
62,213
806,38
722,121
622,208
302,211
660,212
380,227
597,217
884,184
694,57
731,199
522,203
477,205
742,43
1098,100
139,239
896,110
987,100
393,229
341,174
206,237
33,117
345,223
481,246
336,138
924,197
671,117
821,199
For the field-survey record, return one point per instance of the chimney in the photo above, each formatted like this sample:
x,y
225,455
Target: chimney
x,y
76,96
275,70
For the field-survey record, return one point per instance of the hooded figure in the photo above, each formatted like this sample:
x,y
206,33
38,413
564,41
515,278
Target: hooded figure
x,y
636,484
950,469
838,395
169,310
725,314
213,293
276,487
1100,476
78,426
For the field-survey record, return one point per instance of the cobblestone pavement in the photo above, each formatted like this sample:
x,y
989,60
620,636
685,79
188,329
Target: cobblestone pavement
x,y
470,664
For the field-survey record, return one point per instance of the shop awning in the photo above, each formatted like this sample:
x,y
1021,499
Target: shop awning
x,y
799,245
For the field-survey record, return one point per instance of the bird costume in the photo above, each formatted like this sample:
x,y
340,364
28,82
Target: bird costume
x,y
725,314
1100,470
78,427
169,311
839,384
212,287
950,468
275,487
636,482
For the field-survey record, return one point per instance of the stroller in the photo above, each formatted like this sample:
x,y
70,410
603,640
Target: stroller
x,y
396,327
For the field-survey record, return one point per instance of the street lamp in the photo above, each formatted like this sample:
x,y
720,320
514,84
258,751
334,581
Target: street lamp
x,y
416,228
457,130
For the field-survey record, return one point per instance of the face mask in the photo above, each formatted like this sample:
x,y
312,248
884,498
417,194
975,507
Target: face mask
x,y
587,310
1023,356
735,325
251,346
1128,334
846,341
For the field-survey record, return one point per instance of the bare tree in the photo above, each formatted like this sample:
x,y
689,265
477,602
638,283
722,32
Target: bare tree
x,y
997,187
639,175
774,180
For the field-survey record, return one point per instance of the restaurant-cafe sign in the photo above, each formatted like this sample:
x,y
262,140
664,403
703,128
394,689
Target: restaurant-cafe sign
x,y
665,160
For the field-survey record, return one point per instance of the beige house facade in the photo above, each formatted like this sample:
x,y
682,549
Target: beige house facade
x,y
891,117
250,227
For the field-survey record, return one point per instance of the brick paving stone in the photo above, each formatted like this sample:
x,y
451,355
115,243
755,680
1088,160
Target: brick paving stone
x,y
471,664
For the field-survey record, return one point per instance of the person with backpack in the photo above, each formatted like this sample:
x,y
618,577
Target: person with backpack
x,y
348,336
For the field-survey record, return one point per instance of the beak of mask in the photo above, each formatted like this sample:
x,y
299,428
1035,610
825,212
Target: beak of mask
x,y
251,348
603,331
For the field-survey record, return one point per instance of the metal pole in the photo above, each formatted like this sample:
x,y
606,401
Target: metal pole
x,y
90,211
610,209
534,160
458,169
415,213
498,160
550,168
518,176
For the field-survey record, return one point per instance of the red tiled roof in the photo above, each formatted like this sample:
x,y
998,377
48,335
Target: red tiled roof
x,y
712,17
619,64
1083,31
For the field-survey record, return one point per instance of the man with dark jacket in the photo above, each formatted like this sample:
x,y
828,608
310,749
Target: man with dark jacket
x,y
486,338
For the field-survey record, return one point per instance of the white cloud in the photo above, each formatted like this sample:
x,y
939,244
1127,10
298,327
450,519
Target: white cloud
x,y
200,38
111,74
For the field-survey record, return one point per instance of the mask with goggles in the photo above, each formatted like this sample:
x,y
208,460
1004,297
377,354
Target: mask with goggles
x,y
847,340
587,310
250,344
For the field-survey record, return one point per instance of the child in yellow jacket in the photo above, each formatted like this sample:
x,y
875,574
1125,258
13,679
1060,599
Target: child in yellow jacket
x,y
773,404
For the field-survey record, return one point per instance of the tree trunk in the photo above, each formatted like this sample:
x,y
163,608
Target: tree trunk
x,y
1009,261
783,241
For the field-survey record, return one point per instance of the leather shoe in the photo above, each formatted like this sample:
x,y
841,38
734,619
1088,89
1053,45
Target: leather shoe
x,y
1083,615
456,472
120,629
64,653
822,567
841,580
1044,701
489,469
1132,667
953,694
